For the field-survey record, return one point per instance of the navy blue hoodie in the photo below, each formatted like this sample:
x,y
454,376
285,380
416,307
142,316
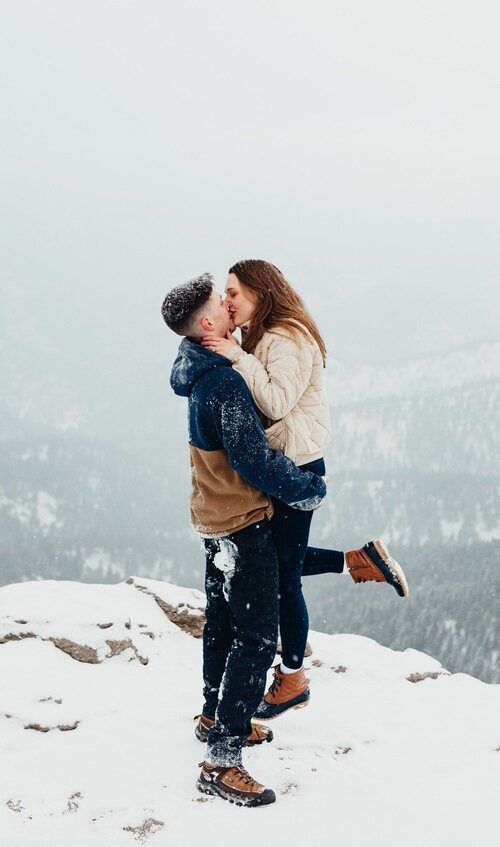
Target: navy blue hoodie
x,y
234,471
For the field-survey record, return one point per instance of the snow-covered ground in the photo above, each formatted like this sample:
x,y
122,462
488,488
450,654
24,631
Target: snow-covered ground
x,y
98,691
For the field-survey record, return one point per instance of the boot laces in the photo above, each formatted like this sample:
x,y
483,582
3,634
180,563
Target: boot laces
x,y
273,688
245,776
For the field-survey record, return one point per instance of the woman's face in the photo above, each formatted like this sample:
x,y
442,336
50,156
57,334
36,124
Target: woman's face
x,y
239,300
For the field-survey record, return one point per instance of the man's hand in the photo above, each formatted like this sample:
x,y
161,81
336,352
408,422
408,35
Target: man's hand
x,y
222,346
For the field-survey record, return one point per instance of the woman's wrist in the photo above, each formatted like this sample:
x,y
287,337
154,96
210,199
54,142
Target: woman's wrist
x,y
235,352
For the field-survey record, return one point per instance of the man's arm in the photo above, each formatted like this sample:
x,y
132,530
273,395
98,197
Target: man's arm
x,y
243,438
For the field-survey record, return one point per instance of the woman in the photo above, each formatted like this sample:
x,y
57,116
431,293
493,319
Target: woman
x,y
281,359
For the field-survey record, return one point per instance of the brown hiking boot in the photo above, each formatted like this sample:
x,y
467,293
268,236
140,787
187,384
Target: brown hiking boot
x,y
287,691
234,784
258,735
373,562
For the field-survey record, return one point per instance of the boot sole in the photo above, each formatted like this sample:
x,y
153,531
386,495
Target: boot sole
x,y
392,569
250,803
290,709
293,708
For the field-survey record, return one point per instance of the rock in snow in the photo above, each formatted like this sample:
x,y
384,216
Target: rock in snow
x,y
100,684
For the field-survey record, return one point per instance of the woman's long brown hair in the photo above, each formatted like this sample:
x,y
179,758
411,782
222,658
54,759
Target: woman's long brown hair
x,y
277,304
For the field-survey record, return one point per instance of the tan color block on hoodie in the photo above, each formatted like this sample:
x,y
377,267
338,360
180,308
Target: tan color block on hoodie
x,y
222,502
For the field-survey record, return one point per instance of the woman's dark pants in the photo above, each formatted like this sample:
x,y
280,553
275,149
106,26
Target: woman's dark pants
x,y
240,636
290,529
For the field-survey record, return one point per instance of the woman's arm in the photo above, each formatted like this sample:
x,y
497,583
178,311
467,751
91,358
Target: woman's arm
x,y
277,387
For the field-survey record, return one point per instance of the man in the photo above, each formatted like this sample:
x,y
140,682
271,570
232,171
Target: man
x,y
234,473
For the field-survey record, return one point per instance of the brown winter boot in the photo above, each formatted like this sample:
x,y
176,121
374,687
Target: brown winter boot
x,y
258,735
234,784
287,691
373,562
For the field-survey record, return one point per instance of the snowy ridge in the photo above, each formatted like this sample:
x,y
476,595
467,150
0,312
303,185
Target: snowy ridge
x,y
351,383
100,685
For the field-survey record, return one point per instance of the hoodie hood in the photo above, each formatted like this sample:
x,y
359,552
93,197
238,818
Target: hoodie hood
x,y
191,363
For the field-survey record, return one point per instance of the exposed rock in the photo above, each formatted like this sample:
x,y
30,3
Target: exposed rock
x,y
142,832
73,806
289,788
418,677
16,636
62,727
14,805
186,617
185,620
80,652
117,647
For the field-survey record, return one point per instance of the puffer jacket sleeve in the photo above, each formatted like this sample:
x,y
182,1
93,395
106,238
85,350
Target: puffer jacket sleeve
x,y
277,387
243,438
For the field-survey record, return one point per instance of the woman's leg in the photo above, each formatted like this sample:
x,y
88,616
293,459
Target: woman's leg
x,y
290,529
371,563
318,561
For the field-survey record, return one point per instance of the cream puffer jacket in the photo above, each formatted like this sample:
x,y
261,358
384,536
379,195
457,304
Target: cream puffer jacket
x,y
285,378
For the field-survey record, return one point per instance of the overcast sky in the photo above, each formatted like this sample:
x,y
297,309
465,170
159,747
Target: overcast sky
x,y
354,144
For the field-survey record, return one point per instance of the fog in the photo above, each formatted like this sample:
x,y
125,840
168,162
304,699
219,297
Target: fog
x,y
355,145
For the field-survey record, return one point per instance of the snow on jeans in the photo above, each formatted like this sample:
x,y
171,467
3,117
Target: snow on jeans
x,y
240,634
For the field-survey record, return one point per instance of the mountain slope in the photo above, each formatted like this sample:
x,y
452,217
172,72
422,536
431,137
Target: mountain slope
x,y
94,484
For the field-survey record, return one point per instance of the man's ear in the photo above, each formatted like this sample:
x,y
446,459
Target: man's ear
x,y
206,324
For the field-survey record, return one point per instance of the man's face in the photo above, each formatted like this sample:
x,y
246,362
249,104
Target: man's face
x,y
216,309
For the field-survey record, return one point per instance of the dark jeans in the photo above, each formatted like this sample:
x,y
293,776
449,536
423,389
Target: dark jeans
x,y
290,529
240,635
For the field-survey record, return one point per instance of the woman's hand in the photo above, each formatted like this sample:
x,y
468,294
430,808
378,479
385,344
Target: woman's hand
x,y
222,346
